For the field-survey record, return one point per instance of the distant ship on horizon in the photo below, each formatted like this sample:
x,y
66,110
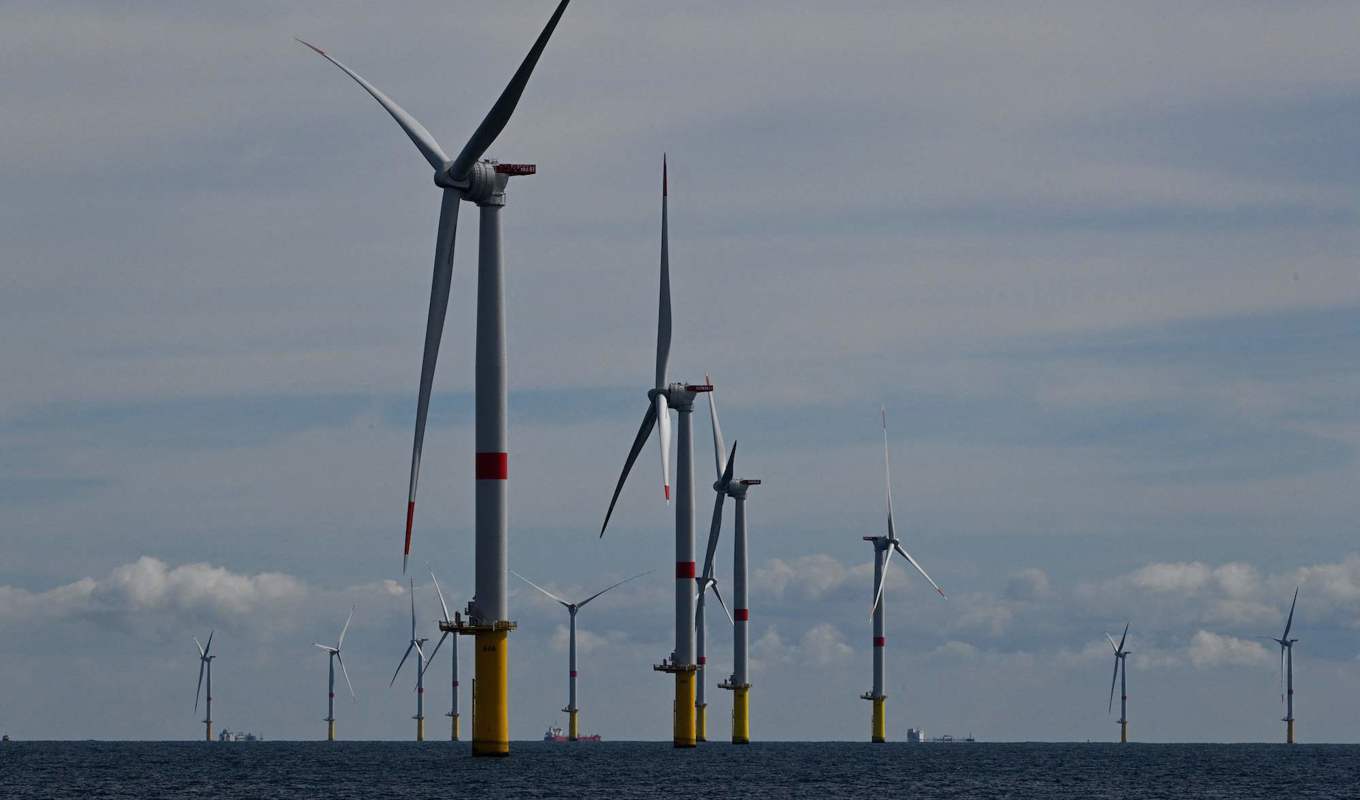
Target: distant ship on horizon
x,y
555,734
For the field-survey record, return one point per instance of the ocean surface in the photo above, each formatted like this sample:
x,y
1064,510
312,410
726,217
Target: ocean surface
x,y
619,770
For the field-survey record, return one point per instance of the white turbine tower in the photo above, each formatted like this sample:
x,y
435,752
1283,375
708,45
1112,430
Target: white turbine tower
x,y
884,547
417,644
661,400
449,625
1121,666
1287,670
205,667
333,655
726,486
467,177
572,710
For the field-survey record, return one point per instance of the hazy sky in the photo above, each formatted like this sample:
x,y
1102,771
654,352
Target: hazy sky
x,y
1097,260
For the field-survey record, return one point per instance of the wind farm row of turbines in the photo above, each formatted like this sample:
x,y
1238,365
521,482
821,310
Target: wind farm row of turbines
x,y
470,177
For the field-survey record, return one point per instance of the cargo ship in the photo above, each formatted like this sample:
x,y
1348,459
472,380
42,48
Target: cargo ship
x,y
555,734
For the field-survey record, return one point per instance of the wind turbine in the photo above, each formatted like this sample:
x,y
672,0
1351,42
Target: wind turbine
x,y
727,486
573,712
468,177
333,655
205,667
449,626
884,547
1287,670
661,399
417,645
1121,672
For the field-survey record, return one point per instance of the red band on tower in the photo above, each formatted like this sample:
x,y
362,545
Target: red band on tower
x,y
573,673
684,569
880,641
493,466
741,614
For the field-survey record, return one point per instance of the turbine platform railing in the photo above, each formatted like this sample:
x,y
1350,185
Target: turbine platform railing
x,y
733,686
468,628
670,666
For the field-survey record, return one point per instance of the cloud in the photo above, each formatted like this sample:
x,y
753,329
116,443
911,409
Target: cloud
x,y
1208,649
1030,583
196,592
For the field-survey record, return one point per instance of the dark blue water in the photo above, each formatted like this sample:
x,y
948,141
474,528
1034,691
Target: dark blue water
x,y
620,770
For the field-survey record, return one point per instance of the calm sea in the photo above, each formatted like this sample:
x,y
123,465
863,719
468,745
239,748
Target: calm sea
x,y
619,770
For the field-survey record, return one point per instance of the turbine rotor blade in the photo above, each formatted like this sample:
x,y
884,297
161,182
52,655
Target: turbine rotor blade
x,y
402,663
613,586
1289,623
540,588
883,578
345,672
648,421
201,654
663,316
663,434
437,645
1113,646
912,561
422,139
887,474
413,609
207,648
341,642
714,530
440,592
434,332
1123,638
719,449
1112,680
499,115
199,690
714,586
325,647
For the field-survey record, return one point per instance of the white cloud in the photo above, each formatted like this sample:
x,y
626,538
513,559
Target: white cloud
x,y
1208,649
1030,583
149,585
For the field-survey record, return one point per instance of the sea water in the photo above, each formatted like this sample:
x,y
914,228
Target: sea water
x,y
652,770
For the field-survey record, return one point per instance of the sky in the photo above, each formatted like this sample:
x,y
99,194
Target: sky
x,y
1097,261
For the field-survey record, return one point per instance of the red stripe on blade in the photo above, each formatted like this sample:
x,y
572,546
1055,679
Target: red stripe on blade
x,y
493,466
684,569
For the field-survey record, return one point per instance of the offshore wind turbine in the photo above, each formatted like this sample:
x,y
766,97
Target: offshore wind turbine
x,y
661,400
449,625
727,486
1287,670
205,667
884,547
333,655
572,710
1121,672
706,582
469,177
417,644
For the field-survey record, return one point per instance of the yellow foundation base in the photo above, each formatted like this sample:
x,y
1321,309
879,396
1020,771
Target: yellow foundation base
x,y
420,729
684,710
454,733
207,731
490,693
330,730
1289,731
701,722
573,726
879,726
741,716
